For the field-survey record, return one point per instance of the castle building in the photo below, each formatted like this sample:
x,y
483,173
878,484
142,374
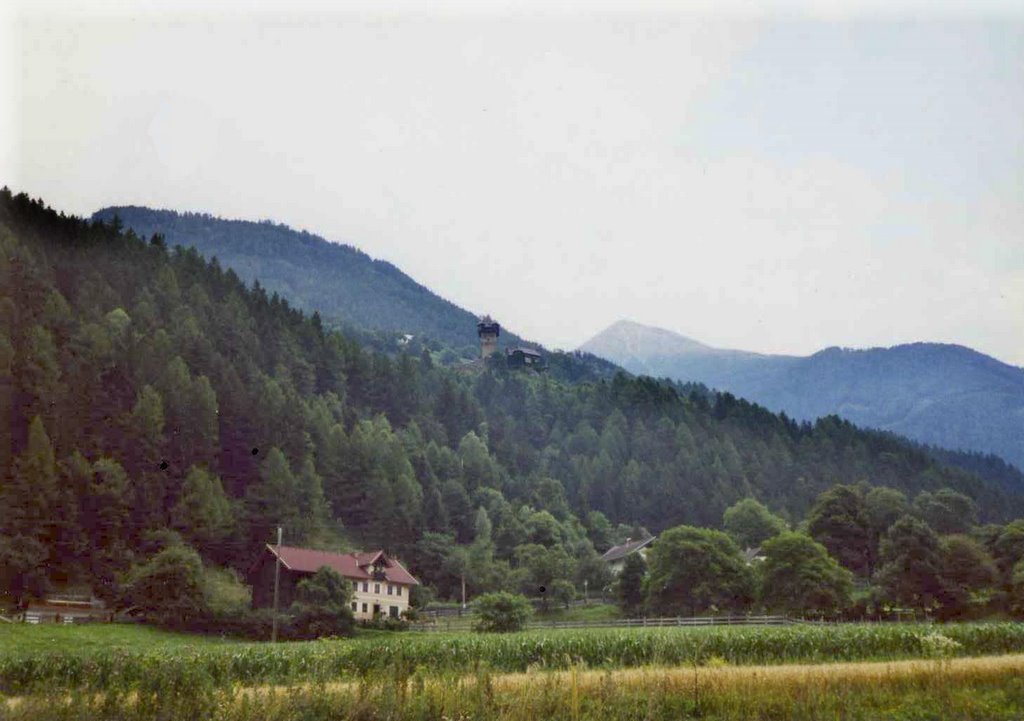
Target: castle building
x,y
488,330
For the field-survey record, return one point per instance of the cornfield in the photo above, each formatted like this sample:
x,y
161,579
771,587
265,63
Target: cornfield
x,y
974,688
223,666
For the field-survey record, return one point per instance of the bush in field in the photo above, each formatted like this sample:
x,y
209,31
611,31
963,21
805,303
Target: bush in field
x,y
501,612
168,589
321,606
935,645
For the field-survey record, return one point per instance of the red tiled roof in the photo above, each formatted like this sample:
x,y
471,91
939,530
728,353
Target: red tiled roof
x,y
350,565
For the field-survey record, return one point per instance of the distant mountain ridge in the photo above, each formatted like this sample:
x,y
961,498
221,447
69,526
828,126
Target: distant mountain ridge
x,y
940,394
339,280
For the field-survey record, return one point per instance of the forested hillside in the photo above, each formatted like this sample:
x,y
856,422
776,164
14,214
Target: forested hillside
x,y
368,299
339,281
150,391
936,393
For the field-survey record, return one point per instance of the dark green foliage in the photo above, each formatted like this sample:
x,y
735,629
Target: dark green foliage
x,y
1017,590
968,574
839,521
542,570
750,523
629,586
1008,546
697,570
168,588
883,507
910,561
799,577
562,592
502,612
29,517
946,511
321,606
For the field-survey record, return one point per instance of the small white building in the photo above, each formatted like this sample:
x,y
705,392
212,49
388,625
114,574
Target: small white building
x,y
615,556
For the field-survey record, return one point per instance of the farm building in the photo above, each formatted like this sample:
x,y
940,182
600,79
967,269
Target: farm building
x,y
524,358
615,556
380,584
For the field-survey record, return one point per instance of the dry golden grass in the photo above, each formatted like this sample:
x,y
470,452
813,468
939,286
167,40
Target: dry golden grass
x,y
822,675
729,679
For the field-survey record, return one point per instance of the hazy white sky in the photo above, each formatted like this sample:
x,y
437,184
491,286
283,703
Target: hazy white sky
x,y
777,182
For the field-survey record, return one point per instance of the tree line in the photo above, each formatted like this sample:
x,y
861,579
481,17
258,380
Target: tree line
x,y
860,552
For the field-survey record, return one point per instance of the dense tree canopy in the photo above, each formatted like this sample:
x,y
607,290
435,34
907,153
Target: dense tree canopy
x,y
750,523
911,564
694,570
800,577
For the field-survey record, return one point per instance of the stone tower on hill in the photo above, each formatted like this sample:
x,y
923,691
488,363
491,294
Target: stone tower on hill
x,y
488,330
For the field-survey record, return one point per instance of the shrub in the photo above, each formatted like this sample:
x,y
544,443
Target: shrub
x,y
321,605
226,595
168,588
502,612
935,645
563,592
385,623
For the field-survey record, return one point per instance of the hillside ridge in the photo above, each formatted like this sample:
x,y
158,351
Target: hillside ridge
x,y
943,394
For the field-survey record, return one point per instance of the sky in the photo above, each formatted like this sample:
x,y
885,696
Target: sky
x,y
776,180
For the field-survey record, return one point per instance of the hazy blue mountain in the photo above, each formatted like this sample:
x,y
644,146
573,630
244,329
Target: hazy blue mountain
x,y
940,394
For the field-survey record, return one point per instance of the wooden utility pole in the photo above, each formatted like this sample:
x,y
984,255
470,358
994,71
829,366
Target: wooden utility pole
x,y
277,584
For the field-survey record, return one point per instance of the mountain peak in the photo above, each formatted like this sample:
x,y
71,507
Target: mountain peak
x,y
626,335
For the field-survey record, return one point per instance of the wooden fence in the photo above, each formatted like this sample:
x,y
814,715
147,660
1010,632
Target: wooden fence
x,y
675,621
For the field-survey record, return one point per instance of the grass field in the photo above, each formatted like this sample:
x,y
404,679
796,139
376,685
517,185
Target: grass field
x,y
23,638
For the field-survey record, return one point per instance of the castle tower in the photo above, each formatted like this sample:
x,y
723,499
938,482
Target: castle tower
x,y
488,330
